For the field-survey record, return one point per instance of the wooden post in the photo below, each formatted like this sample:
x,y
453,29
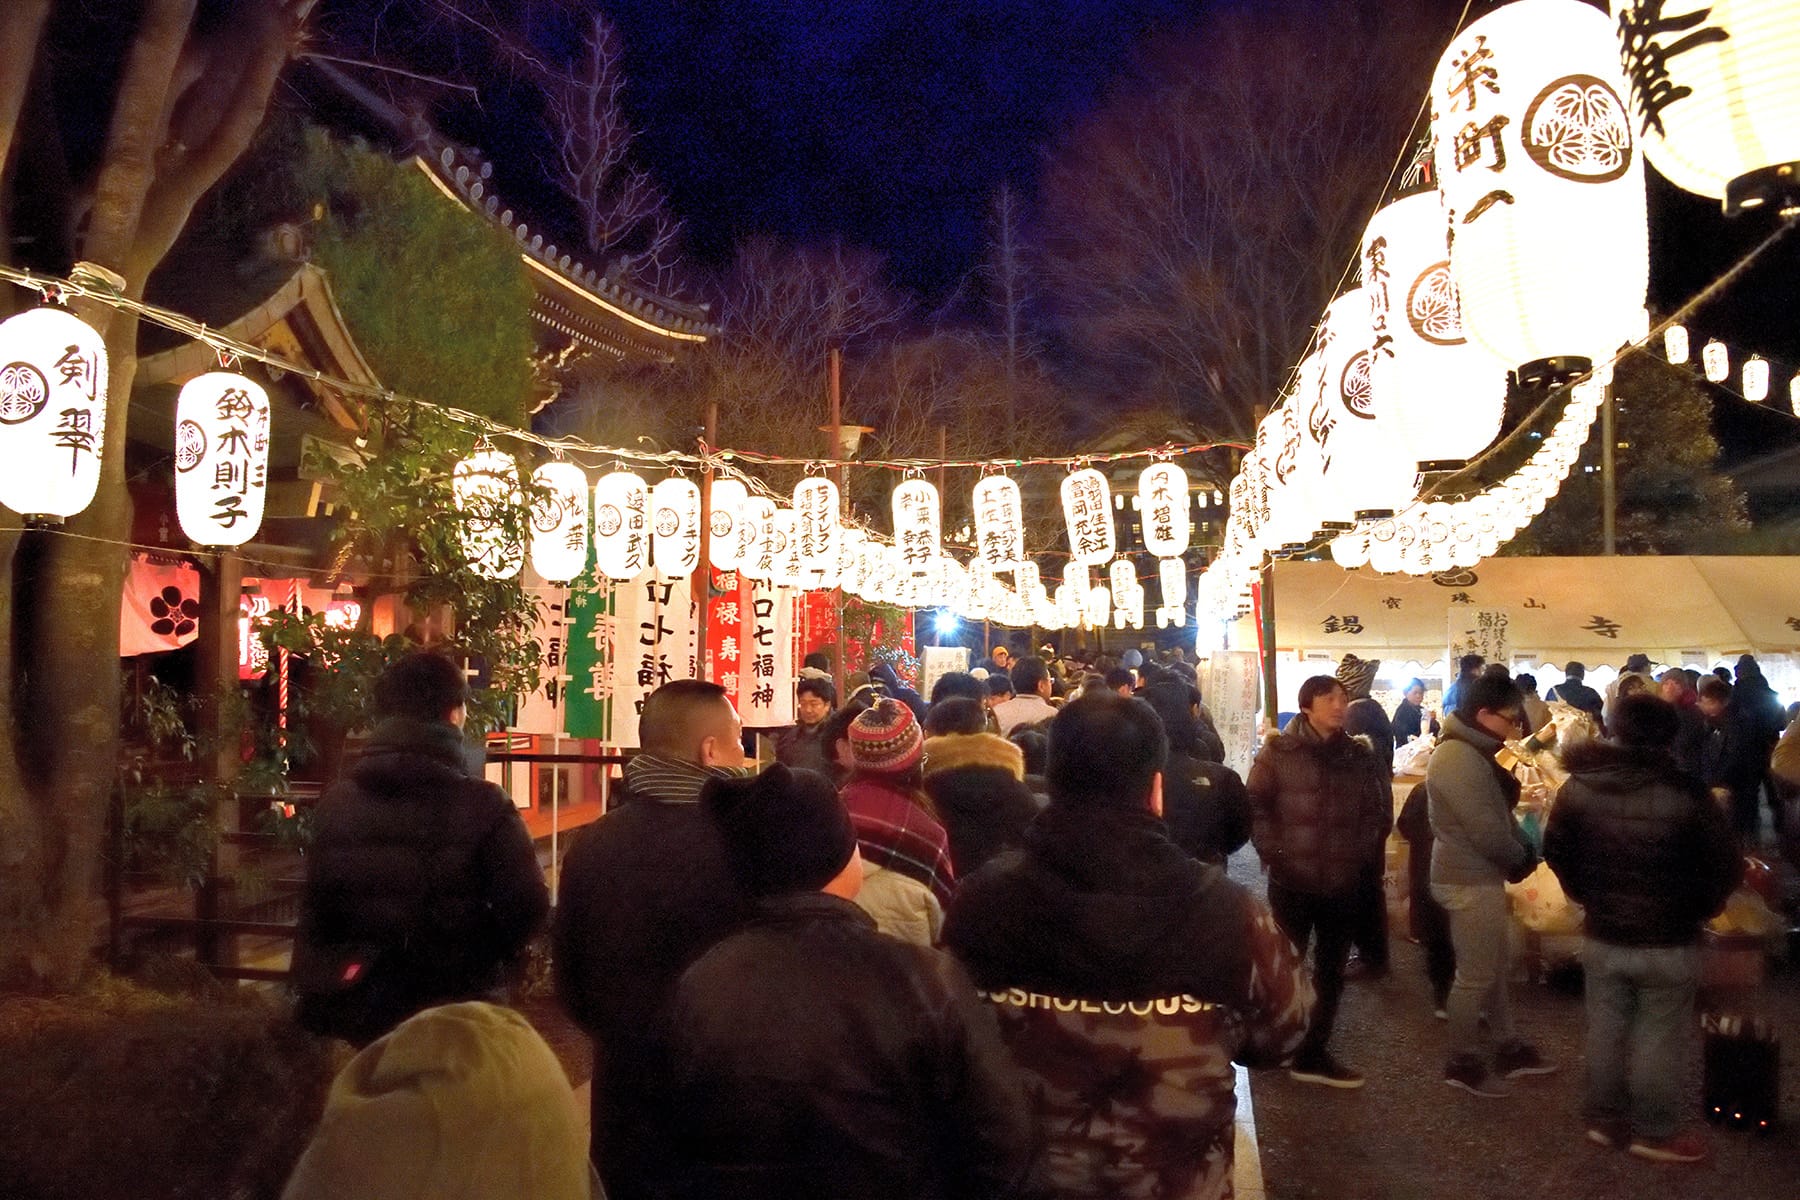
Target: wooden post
x,y
701,587
221,581
1609,502
834,371
1270,705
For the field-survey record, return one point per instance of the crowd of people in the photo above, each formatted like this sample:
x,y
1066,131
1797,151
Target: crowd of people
x,y
982,943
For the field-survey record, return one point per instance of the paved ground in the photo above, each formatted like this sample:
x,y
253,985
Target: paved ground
x,y
1406,1135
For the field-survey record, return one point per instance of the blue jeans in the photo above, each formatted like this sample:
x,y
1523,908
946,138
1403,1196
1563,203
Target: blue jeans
x,y
1640,1033
1481,932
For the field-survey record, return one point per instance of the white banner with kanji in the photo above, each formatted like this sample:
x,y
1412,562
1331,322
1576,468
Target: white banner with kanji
x,y
542,709
655,630
767,658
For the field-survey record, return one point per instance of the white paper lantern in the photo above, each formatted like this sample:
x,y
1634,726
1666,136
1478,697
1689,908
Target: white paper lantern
x,y
1172,574
850,555
1714,90
675,524
1794,395
1351,550
1123,577
485,488
1543,183
1675,343
999,522
221,458
1366,466
559,521
1163,510
786,545
52,413
816,526
1442,394
724,548
1087,508
1756,379
1385,548
1098,610
755,537
1716,360
917,525
621,525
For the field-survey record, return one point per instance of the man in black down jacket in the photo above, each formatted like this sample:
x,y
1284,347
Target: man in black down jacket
x,y
422,886
645,891
1205,804
1127,975
1642,846
1320,814
809,1055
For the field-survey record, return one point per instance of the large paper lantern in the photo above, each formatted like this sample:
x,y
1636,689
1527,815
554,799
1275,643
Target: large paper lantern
x,y
1285,471
1442,394
723,548
917,525
850,554
1716,360
675,546
755,529
1171,573
559,521
1087,508
1756,379
817,529
999,522
1163,510
787,549
1675,343
621,525
221,458
1543,183
52,413
485,490
1714,93
1365,468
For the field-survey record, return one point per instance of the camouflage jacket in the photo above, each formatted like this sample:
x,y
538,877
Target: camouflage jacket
x,y
1127,979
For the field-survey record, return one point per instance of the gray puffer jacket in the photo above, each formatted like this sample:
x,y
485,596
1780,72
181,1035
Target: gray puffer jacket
x,y
1471,803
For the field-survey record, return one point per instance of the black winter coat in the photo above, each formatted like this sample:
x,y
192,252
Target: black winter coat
x,y
1365,718
976,784
426,871
1320,810
810,1056
1640,844
1205,806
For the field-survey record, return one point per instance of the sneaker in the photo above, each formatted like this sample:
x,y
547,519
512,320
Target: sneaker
x,y
1471,1075
1687,1147
1610,1132
1325,1070
1519,1059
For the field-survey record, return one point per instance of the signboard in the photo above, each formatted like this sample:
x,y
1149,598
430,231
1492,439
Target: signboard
x,y
1482,631
1233,698
939,661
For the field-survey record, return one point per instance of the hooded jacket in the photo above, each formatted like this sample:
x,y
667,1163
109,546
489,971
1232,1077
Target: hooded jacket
x,y
810,1056
1471,801
421,873
1640,844
1128,977
1320,810
976,782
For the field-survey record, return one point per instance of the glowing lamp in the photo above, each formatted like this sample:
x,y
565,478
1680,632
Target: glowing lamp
x,y
1716,360
1675,343
52,413
485,490
999,522
817,530
1162,503
1172,574
1365,467
621,525
1086,509
1756,379
756,537
917,525
559,521
675,526
723,548
1442,394
785,547
1714,94
1351,550
1794,395
1543,184
850,557
221,458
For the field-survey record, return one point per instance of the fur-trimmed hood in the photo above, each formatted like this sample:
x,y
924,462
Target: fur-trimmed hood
x,y
951,751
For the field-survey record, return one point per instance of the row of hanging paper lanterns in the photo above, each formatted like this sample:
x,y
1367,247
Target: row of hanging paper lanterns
x,y
1715,360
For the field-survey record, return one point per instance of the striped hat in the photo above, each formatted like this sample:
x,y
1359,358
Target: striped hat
x,y
1357,674
885,739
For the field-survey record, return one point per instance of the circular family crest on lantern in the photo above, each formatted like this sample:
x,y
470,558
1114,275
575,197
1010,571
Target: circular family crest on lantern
x,y
1353,387
548,512
190,445
608,520
667,522
1577,129
1432,308
23,392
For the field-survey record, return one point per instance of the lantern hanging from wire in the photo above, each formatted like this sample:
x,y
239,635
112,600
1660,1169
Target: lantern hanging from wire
x,y
787,548
756,537
1087,509
621,525
1675,343
1543,184
221,458
817,530
559,521
1756,379
999,522
918,528
675,527
485,490
1368,468
724,549
1716,360
1163,510
52,413
1715,94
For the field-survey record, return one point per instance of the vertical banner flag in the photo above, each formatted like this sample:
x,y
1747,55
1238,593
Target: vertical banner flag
x,y
768,681
591,622
1232,696
654,644
727,604
541,710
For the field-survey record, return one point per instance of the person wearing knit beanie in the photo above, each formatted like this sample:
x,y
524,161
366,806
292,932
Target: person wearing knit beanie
x,y
785,830
886,739
1357,675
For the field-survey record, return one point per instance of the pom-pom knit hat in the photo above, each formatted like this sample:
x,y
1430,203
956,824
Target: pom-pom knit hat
x,y
886,739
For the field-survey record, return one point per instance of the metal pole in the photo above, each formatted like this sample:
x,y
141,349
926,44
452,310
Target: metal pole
x,y
1271,706
1608,481
834,370
701,587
